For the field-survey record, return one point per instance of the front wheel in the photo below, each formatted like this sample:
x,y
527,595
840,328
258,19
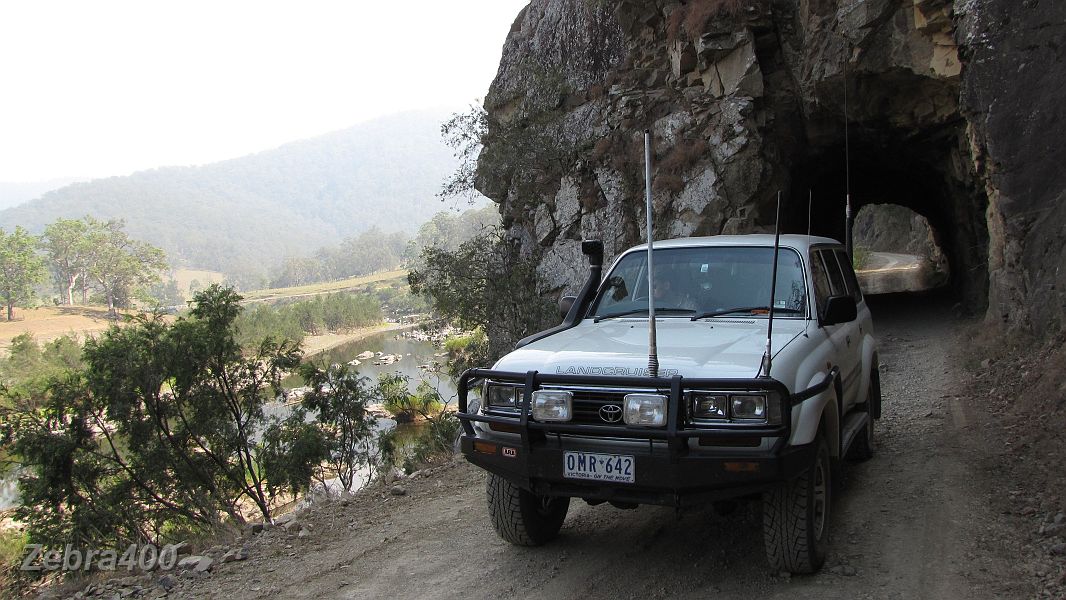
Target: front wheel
x,y
521,517
796,517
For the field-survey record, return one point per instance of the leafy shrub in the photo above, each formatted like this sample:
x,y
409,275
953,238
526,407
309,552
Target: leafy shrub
x,y
860,257
155,435
332,312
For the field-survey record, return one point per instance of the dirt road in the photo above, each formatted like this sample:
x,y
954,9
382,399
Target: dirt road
x,y
916,521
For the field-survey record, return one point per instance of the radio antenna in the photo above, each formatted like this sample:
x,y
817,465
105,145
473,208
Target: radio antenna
x,y
653,350
810,204
848,221
764,368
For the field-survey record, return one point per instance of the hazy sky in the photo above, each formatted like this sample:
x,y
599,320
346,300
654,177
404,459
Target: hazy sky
x,y
108,87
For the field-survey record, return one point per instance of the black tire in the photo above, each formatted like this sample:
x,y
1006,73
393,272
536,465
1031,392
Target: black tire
x,y
796,517
521,517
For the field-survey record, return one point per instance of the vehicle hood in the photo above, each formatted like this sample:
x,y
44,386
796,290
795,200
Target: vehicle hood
x,y
726,348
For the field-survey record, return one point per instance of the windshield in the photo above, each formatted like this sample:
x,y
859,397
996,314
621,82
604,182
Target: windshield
x,y
704,281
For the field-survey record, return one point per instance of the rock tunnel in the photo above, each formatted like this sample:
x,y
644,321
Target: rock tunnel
x,y
919,166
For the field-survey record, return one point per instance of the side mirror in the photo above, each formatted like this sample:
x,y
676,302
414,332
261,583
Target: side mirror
x,y
565,304
840,309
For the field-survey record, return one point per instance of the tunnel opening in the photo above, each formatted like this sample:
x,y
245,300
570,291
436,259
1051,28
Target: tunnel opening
x,y
896,250
918,169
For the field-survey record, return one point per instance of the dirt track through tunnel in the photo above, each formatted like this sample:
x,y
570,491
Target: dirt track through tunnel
x,y
910,523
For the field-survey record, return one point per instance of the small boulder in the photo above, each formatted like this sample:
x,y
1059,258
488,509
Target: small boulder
x,y
1052,530
235,554
167,582
398,490
198,564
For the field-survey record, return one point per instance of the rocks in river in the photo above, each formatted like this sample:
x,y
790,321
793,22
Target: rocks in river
x,y
365,355
435,337
355,362
387,359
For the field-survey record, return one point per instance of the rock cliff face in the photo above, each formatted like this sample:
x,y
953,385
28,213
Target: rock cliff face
x,y
949,109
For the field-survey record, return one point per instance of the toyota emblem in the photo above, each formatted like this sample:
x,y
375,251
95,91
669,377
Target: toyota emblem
x,y
611,413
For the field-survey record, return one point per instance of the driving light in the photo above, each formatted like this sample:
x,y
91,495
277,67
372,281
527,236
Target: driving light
x,y
502,395
710,406
750,408
552,405
648,410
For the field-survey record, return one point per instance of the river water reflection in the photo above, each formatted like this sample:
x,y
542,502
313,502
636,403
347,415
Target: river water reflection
x,y
414,354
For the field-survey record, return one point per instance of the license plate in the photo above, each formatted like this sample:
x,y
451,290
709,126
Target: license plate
x,y
599,467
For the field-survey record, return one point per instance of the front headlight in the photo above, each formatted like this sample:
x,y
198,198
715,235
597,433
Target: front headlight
x,y
741,407
710,406
749,408
502,396
552,405
648,410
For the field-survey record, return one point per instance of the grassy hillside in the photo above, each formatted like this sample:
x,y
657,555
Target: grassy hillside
x,y
242,216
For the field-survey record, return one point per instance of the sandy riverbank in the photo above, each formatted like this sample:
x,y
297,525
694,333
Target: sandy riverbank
x,y
316,344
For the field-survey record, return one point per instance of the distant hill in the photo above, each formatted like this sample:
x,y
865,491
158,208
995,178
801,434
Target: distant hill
x,y
242,216
15,193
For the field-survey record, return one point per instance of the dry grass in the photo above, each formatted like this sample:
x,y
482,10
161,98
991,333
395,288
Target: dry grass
x,y
184,277
48,323
321,288
692,17
682,156
601,149
670,182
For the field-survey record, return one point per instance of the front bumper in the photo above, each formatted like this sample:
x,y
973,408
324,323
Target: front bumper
x,y
676,465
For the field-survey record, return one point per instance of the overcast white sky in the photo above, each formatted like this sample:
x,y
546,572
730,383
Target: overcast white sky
x,y
108,87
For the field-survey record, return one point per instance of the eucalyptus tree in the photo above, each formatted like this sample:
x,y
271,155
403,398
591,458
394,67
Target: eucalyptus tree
x,y
20,267
66,242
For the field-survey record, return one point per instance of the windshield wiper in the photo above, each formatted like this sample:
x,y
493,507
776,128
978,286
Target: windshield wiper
x,y
637,311
742,309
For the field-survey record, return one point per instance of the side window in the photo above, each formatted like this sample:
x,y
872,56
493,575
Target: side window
x,y
849,275
822,290
836,279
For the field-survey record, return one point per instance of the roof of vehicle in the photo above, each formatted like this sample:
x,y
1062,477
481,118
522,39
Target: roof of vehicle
x,y
800,242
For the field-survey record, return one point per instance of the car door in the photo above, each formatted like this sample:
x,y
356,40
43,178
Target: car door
x,y
847,336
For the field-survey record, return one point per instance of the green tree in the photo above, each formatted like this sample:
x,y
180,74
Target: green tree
x,y
446,230
120,265
342,430
66,242
20,267
156,436
485,283
465,133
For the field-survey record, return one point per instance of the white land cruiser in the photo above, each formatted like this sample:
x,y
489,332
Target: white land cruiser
x,y
574,413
